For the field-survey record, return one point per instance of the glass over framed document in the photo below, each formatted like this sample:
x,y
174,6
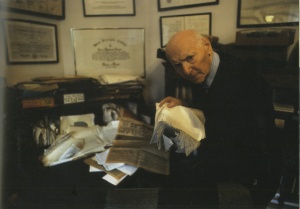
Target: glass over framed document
x,y
30,42
54,9
108,8
267,13
180,4
169,25
114,51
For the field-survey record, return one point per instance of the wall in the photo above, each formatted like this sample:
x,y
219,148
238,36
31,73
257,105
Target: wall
x,y
147,16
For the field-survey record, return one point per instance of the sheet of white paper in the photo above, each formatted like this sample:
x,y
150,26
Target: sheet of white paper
x,y
111,166
93,169
128,169
109,132
112,79
167,142
113,180
101,159
60,162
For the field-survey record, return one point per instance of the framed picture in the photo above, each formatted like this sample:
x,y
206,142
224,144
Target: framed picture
x,y
114,51
169,25
164,5
30,42
54,9
108,8
267,13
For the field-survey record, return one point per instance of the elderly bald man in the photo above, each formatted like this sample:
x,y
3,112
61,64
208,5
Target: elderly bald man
x,y
240,145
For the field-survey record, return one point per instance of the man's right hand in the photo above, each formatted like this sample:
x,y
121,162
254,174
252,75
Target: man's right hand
x,y
172,102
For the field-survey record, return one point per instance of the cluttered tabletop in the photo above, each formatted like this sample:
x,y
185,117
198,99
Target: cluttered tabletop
x,y
73,149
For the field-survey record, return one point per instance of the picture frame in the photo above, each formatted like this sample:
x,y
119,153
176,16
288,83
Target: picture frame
x,y
164,5
92,8
269,13
169,25
54,9
113,51
30,42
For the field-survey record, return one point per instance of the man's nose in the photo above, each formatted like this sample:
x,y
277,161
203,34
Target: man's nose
x,y
186,68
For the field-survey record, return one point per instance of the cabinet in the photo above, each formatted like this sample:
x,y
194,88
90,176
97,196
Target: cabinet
x,y
25,178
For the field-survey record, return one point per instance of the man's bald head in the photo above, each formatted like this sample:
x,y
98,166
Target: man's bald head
x,y
190,54
183,39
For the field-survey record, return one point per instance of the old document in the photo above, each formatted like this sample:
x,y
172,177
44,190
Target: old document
x,y
134,129
133,148
115,172
139,153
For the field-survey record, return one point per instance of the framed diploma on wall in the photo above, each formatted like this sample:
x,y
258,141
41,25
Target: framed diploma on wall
x,y
164,5
114,51
169,25
108,8
30,42
267,13
54,9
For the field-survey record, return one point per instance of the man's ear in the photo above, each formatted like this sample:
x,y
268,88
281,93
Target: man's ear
x,y
207,45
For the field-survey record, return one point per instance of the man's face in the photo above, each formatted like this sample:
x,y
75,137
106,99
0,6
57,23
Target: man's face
x,y
190,57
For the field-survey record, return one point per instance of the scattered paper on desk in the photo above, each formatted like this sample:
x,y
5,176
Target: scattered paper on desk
x,y
109,132
113,79
101,160
75,145
139,153
113,180
93,169
117,174
128,169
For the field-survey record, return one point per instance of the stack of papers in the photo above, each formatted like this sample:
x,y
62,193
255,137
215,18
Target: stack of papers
x,y
130,150
116,172
121,86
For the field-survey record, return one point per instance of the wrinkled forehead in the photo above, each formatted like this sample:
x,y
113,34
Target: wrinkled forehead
x,y
180,46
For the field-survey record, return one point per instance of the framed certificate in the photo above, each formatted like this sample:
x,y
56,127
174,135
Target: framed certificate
x,y
54,9
164,5
267,13
169,25
30,42
114,51
108,8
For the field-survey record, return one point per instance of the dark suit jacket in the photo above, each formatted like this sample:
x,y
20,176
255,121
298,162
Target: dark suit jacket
x,y
239,144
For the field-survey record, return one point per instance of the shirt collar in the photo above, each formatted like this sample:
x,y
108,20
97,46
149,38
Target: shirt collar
x,y
213,69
